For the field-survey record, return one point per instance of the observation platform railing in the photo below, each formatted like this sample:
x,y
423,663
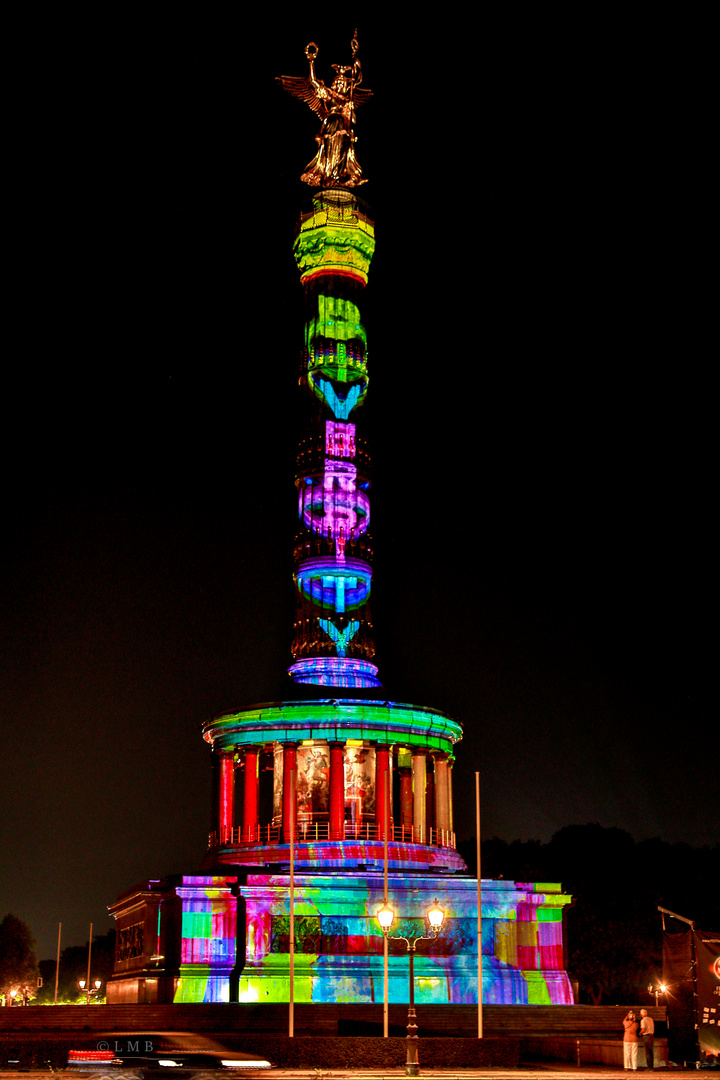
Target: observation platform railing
x,y
319,832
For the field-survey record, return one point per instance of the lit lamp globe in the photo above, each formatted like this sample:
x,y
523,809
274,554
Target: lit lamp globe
x,y
435,916
385,916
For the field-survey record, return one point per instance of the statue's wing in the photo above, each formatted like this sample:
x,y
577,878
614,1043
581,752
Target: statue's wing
x,y
361,96
301,87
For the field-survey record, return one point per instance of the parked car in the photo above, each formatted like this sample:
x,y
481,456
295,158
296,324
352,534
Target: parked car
x,y
121,1052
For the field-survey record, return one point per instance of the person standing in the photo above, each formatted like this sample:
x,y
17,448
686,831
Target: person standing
x,y
630,1041
647,1031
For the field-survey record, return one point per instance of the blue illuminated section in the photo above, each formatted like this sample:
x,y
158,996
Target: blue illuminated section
x,y
341,406
340,637
334,583
335,671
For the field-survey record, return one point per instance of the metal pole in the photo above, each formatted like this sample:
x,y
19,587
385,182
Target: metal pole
x,y
386,1007
57,964
291,1013
87,984
412,1065
479,908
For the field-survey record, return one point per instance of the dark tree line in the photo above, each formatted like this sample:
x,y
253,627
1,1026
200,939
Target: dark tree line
x,y
614,930
18,965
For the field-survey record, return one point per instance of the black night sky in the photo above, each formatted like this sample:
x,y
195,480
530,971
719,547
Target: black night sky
x,y
543,473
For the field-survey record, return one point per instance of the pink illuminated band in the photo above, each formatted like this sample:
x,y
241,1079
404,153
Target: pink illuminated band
x,y
334,671
339,439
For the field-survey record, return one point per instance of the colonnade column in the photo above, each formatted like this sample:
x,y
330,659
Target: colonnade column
x,y
419,780
227,796
430,803
382,806
406,803
442,801
451,819
250,797
289,804
337,791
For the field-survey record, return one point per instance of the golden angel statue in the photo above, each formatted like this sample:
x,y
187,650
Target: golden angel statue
x,y
335,164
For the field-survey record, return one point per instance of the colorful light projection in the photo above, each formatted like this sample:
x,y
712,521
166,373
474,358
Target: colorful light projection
x,y
209,936
335,237
339,944
335,671
362,743
337,508
385,723
339,752
339,584
329,647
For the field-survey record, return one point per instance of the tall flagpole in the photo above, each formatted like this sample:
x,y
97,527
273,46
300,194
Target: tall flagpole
x,y
57,964
291,1014
386,1006
479,907
87,984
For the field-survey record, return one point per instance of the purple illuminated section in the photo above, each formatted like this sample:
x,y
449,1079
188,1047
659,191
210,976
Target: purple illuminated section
x,y
339,439
336,508
334,671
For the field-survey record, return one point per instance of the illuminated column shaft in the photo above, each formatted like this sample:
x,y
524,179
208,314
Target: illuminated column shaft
x,y
382,790
250,796
332,644
227,795
337,791
419,770
430,800
406,797
451,823
442,800
289,785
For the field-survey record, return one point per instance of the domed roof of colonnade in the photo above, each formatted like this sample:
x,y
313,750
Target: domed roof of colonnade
x,y
334,720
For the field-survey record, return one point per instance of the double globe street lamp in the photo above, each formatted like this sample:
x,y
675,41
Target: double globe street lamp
x,y
89,988
386,917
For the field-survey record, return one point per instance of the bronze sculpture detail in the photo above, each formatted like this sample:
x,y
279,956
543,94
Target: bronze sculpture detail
x,y
335,164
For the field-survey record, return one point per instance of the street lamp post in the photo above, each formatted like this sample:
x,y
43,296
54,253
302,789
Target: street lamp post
x,y
657,990
435,916
88,988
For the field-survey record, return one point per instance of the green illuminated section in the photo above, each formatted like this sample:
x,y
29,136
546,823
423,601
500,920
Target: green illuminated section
x,y
538,993
193,982
553,914
336,318
197,924
270,987
336,341
372,721
339,249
